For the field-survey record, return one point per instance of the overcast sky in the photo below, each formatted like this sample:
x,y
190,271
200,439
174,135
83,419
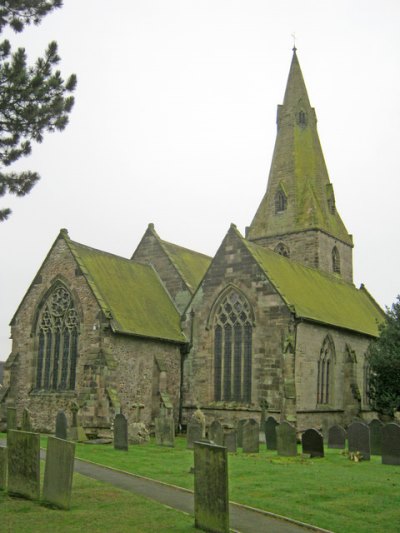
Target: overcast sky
x,y
174,124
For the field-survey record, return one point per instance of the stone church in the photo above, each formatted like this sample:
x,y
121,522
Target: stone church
x,y
273,323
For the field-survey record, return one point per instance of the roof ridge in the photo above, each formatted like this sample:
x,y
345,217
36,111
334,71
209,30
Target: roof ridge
x,y
185,248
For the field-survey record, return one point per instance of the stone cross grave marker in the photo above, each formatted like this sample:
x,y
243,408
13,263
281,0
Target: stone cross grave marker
x,y
359,440
251,437
337,437
195,432
61,425
11,418
286,442
240,425
58,472
120,432
375,434
3,468
26,420
391,444
312,443
211,498
230,439
165,430
216,432
270,432
24,464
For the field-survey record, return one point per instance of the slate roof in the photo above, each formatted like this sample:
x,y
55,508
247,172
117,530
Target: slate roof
x,y
130,294
318,296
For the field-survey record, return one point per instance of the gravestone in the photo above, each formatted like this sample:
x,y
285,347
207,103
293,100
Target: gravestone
x,y
375,434
11,418
250,436
230,438
26,420
120,432
76,432
359,440
240,425
312,443
58,472
165,431
286,442
391,444
270,432
23,464
61,425
337,437
195,431
211,499
216,432
3,468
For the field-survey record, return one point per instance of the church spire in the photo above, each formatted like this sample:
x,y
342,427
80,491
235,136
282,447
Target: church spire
x,y
299,195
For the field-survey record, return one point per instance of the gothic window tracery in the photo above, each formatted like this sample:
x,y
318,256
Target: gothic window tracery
x,y
233,349
335,260
325,372
282,249
57,333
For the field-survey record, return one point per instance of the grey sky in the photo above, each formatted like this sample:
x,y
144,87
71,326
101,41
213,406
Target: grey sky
x,y
174,123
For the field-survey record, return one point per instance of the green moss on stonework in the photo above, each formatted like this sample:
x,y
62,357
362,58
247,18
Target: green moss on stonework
x,y
191,265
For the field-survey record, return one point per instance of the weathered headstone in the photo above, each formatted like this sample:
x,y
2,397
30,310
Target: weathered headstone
x,y
11,418
312,443
240,425
24,464
250,436
165,431
230,438
216,432
58,472
286,442
3,468
195,430
120,432
211,498
375,434
26,420
391,444
359,440
76,432
337,437
61,425
270,432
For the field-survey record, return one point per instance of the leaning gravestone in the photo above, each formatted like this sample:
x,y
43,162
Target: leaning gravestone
x,y
211,499
240,425
270,432
24,464
230,438
216,432
391,444
312,443
3,468
286,442
61,425
195,432
26,420
337,437
120,432
11,418
251,437
165,431
359,440
58,472
375,433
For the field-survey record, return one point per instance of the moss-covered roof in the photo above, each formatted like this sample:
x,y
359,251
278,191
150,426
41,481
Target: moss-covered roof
x,y
318,296
190,264
129,293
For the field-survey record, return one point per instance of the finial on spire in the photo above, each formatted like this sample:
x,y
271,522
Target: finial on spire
x,y
294,42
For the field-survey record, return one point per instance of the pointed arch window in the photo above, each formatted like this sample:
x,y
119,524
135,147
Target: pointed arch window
x,y
282,249
233,332
57,342
280,201
302,118
335,260
325,378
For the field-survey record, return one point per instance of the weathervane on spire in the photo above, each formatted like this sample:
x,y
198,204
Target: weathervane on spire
x,y
294,42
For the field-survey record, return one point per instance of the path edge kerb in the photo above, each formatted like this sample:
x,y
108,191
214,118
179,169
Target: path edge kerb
x,y
235,504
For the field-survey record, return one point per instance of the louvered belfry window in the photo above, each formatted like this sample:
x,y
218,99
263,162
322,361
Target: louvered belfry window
x,y
233,349
57,332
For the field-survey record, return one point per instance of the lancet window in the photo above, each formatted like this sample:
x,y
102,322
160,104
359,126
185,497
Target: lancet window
x,y
233,349
57,341
280,201
335,260
325,378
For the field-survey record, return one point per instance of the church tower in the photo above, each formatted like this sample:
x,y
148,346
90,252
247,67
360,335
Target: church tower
x,y
297,216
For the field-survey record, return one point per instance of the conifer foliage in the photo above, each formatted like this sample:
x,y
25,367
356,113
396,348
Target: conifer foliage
x,y
384,360
33,99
